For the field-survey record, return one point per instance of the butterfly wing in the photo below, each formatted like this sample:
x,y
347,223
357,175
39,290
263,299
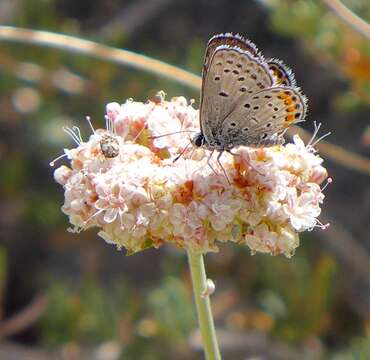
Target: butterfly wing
x,y
259,120
232,40
282,74
232,75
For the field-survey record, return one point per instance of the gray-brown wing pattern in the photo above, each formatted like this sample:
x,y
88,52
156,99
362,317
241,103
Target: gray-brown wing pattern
x,y
259,120
232,75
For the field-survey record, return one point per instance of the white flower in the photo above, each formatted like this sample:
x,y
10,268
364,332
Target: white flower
x,y
142,197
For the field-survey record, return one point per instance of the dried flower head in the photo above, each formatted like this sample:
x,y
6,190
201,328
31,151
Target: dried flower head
x,y
123,181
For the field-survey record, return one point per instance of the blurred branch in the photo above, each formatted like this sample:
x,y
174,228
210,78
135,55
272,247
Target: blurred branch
x,y
350,251
124,57
132,17
25,317
10,351
61,78
349,17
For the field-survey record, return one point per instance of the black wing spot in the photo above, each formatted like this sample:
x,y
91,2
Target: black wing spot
x,y
269,104
246,129
243,89
219,63
268,97
276,108
227,71
264,136
239,65
233,124
297,115
229,61
217,78
274,116
236,72
223,93
254,76
256,107
268,124
256,97
242,78
247,106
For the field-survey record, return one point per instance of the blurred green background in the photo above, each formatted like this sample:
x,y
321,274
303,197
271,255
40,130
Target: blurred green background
x,y
68,296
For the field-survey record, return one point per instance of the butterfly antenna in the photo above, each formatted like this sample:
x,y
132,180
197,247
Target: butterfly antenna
x,y
88,119
173,133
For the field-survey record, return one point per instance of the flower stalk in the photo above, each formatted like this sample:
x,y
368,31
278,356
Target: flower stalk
x,y
203,305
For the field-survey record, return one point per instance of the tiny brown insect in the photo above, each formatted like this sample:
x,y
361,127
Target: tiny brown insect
x,y
109,146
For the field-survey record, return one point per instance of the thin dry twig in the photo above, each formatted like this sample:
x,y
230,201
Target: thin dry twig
x,y
25,317
124,57
358,24
91,48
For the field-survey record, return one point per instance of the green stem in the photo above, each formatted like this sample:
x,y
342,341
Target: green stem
x,y
205,319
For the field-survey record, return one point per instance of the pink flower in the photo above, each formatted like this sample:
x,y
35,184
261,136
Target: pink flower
x,y
138,196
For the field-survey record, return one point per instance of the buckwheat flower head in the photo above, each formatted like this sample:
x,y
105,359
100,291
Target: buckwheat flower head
x,y
124,181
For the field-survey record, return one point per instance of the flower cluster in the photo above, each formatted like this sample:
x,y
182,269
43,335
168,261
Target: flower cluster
x,y
124,180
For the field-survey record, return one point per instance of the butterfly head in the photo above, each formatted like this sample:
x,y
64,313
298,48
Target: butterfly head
x,y
199,140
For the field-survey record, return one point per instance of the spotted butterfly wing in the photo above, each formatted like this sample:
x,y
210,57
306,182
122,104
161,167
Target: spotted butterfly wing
x,y
281,73
232,110
232,75
259,120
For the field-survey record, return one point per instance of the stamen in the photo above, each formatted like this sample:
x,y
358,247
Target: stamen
x,y
328,181
78,132
316,130
97,213
88,118
106,122
321,225
52,163
71,133
321,138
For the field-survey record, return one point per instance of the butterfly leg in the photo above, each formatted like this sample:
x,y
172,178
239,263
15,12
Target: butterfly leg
x,y
209,162
223,169
249,162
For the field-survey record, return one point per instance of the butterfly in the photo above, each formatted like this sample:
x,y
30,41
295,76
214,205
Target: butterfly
x,y
245,99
